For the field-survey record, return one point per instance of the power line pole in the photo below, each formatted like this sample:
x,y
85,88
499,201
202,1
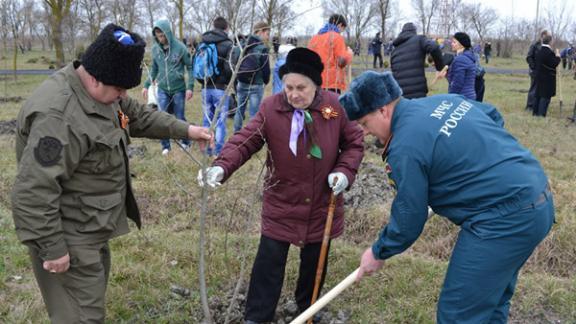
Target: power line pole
x,y
537,23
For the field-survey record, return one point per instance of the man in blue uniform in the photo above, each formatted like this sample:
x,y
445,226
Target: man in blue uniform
x,y
454,155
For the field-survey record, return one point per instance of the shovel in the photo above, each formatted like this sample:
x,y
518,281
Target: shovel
x,y
314,308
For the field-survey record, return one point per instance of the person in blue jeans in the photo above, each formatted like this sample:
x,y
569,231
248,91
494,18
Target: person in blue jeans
x,y
170,59
454,155
214,98
173,104
247,95
251,82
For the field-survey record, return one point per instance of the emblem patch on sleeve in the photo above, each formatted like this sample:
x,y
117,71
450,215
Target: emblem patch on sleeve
x,y
48,151
389,174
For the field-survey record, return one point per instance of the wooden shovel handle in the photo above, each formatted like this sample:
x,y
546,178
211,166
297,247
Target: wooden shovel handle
x,y
324,248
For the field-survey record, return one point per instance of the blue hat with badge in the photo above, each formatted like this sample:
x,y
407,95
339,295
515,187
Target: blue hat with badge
x,y
368,92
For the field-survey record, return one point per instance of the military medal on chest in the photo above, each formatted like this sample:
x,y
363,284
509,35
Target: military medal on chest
x,y
124,120
328,112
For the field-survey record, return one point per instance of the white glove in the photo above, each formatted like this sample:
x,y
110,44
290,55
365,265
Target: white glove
x,y
341,183
213,176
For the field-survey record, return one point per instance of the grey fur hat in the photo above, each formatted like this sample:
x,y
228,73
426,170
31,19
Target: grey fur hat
x,y
368,92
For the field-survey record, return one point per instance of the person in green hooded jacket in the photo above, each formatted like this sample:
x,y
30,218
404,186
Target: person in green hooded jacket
x,y
170,62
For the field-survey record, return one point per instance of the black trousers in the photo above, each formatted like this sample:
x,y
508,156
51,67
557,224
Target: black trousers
x,y
378,56
268,276
541,106
479,87
531,102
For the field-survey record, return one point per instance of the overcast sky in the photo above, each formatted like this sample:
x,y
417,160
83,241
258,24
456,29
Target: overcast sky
x,y
313,20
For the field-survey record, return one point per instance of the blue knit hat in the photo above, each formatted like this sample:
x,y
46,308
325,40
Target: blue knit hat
x,y
369,92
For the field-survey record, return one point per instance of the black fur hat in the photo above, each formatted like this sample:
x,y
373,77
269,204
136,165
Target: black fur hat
x,y
463,39
113,60
303,61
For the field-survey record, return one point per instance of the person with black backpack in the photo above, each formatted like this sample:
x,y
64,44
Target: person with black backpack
x,y
253,73
213,71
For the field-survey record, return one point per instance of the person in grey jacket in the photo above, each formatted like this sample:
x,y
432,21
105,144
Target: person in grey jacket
x,y
407,61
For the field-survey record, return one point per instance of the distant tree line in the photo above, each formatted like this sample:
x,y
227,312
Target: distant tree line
x,y
63,26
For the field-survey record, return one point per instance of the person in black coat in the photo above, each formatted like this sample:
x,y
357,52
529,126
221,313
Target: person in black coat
x,y
545,75
376,49
531,60
487,51
407,61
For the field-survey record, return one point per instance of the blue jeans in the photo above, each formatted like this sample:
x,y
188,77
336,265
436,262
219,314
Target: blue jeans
x,y
175,105
210,102
244,93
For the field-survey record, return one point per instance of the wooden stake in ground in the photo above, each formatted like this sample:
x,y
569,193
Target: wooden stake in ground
x,y
349,73
559,77
313,309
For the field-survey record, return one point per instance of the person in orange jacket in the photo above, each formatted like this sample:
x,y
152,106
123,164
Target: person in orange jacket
x,y
330,45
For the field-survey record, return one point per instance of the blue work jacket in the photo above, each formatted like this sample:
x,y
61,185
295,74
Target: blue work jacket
x,y
454,155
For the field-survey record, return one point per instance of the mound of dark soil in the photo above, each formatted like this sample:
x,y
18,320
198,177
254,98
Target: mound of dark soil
x,y
8,127
136,150
371,187
285,312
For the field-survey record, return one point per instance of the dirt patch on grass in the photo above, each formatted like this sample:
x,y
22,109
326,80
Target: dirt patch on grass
x,y
137,151
370,188
8,127
286,311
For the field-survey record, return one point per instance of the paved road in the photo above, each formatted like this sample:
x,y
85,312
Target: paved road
x,y
27,72
489,69
356,71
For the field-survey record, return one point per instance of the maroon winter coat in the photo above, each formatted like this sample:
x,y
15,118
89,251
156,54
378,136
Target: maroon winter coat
x,y
295,203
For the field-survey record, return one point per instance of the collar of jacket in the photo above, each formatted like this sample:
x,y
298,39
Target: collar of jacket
x,y
87,103
286,107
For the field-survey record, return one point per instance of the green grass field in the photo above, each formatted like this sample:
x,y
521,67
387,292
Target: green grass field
x,y
147,263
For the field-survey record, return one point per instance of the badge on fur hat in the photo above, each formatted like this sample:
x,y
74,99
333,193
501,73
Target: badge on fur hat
x,y
48,151
328,112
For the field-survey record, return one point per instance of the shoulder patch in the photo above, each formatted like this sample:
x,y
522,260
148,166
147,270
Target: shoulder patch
x,y
47,153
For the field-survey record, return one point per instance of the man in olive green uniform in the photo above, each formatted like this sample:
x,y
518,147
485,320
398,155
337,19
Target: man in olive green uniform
x,y
72,191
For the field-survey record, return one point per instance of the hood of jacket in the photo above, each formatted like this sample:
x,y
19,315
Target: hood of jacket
x,y
164,26
214,36
469,54
408,30
253,40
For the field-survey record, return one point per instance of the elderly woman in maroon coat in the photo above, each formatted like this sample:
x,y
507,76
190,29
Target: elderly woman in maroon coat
x,y
310,142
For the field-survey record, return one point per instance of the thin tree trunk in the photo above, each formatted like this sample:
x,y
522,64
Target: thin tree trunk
x,y
57,40
181,16
202,262
15,57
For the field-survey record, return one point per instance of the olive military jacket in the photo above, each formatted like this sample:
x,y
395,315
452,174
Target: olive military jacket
x,y
73,182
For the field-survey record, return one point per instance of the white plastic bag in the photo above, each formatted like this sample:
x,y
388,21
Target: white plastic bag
x,y
153,94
